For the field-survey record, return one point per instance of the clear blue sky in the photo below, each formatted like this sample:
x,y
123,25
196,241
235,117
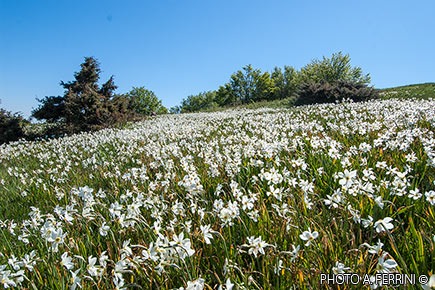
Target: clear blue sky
x,y
183,47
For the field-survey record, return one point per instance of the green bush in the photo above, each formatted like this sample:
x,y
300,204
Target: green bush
x,y
11,126
318,93
332,70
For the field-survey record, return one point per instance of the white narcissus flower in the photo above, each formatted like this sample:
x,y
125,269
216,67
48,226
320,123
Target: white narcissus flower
x,y
13,261
126,248
367,222
56,238
28,260
339,268
66,261
256,245
5,279
347,178
430,284
309,236
414,194
277,268
182,246
247,203
75,280
104,229
119,283
103,259
226,215
120,268
374,249
383,224
196,284
152,252
228,285
206,233
378,200
93,270
430,197
385,266
294,253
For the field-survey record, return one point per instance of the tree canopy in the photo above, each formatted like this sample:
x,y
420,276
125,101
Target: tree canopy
x,y
332,70
145,102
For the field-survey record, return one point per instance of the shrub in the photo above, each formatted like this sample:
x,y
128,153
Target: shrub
x,y
332,70
318,93
11,126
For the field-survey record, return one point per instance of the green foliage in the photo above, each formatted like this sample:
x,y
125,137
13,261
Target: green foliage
x,y
319,93
175,110
87,106
251,85
145,102
334,69
11,126
286,83
51,109
245,86
225,96
202,101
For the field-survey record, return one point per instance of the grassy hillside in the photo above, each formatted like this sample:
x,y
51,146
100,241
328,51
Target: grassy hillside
x,y
259,199
421,91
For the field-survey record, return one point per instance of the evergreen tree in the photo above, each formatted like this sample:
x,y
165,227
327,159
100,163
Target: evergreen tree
x,y
85,105
51,109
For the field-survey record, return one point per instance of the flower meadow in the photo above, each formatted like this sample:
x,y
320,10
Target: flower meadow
x,y
239,199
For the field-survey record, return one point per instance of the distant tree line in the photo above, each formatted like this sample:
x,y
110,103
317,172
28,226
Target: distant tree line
x,y
320,81
87,106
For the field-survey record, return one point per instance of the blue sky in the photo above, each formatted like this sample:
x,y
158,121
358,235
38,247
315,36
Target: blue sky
x,y
178,48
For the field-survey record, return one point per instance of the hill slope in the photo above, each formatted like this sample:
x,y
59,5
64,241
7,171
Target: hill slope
x,y
421,91
268,198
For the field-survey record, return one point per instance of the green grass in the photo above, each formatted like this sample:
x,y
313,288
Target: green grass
x,y
420,91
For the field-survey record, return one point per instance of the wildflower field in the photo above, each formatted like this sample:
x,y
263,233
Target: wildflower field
x,y
239,199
